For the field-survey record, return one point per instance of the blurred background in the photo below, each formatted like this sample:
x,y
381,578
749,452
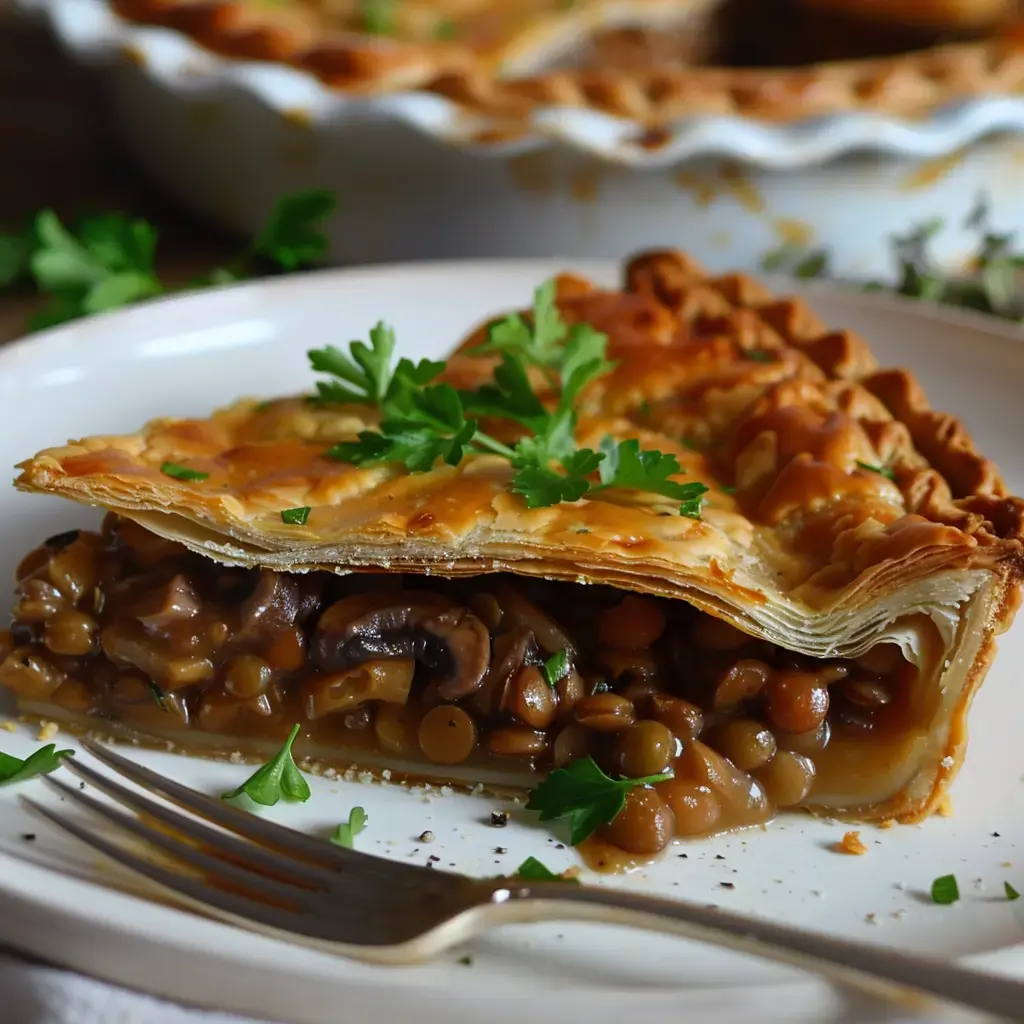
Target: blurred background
x,y
903,172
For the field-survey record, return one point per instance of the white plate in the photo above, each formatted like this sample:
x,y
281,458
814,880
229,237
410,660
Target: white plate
x,y
184,356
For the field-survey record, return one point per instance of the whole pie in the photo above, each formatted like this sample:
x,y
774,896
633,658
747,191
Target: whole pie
x,y
653,60
683,529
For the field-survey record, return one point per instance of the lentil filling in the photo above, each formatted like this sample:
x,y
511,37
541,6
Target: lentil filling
x,y
493,671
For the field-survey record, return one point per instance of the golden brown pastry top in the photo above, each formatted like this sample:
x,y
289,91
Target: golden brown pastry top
x,y
650,60
831,481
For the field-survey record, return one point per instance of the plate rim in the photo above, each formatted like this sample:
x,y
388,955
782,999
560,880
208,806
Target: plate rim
x,y
43,908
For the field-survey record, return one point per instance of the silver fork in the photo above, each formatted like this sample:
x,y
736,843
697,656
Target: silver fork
x,y
267,878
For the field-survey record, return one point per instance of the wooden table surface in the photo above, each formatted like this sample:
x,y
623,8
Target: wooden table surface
x,y
60,150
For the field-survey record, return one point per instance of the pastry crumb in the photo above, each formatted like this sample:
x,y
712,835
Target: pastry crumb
x,y
871,919
47,731
8,726
851,844
888,823
944,808
947,762
426,836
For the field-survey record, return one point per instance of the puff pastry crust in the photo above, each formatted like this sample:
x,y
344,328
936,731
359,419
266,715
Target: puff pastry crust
x,y
651,60
843,511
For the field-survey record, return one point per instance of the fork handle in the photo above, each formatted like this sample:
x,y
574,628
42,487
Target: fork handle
x,y
885,973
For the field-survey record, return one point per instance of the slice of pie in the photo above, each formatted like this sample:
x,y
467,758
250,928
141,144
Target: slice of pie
x,y
680,528
654,60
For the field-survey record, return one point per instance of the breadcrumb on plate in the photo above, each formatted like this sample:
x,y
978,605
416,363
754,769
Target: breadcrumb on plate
x,y
47,731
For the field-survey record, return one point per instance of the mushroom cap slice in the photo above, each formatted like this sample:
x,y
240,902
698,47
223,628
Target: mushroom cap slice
x,y
440,634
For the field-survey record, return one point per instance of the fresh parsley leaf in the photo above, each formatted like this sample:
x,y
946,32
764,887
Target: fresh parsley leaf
x,y
15,253
539,343
296,516
158,695
364,373
556,667
945,890
180,472
378,16
291,239
758,355
1011,893
626,466
813,265
41,762
582,793
108,261
532,870
445,30
510,396
870,467
280,776
540,485
345,833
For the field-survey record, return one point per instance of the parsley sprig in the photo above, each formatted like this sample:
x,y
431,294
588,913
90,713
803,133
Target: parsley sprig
x,y
40,762
583,795
345,834
280,776
424,421
108,261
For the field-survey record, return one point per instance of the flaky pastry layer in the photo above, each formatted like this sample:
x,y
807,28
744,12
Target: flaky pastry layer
x,y
842,510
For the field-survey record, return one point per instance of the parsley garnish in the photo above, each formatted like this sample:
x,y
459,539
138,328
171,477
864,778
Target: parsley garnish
x,y
345,834
583,794
945,890
556,667
758,355
158,695
627,467
378,16
280,776
885,471
445,29
1011,893
296,516
532,870
108,261
423,422
41,762
180,472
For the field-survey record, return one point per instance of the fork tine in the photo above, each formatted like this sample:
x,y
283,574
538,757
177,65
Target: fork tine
x,y
242,822
180,850
241,909
215,839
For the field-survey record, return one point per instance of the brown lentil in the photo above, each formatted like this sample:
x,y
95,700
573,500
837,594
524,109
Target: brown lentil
x,y
447,734
645,825
796,701
646,748
605,712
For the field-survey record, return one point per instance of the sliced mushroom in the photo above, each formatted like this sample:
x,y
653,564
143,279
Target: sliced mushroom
x,y
445,637
281,600
176,601
386,680
512,651
551,637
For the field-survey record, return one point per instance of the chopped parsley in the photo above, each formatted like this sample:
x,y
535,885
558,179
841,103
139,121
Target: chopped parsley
x,y
180,472
582,793
158,695
445,30
758,355
945,890
1011,893
280,776
880,470
378,16
41,762
532,870
556,667
296,516
345,834
423,422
